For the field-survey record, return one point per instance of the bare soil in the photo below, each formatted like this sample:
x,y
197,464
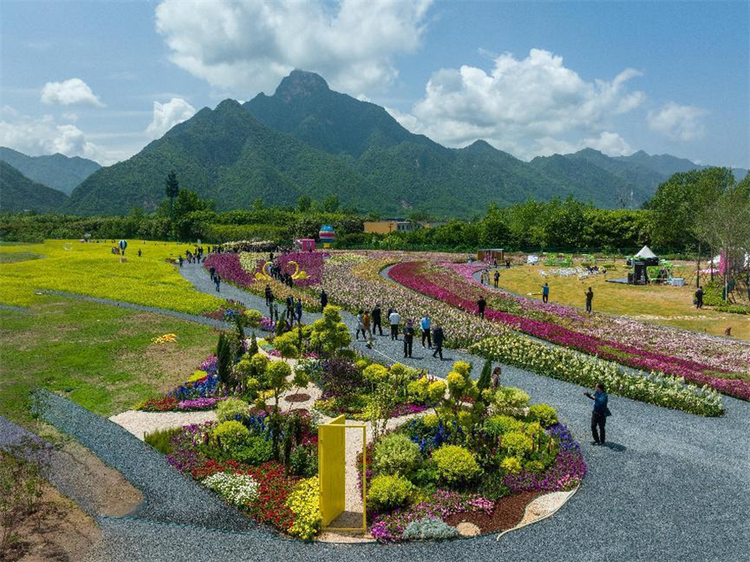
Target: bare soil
x,y
507,514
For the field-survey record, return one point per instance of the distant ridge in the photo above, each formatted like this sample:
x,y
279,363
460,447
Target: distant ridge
x,y
57,171
19,193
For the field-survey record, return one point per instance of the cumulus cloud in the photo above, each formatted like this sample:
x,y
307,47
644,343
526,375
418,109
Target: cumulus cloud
x,y
69,92
524,106
678,122
46,136
167,115
247,47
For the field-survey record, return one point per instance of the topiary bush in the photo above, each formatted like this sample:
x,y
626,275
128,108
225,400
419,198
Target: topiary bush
x,y
544,414
388,492
511,465
456,465
429,528
232,409
252,317
495,426
517,444
396,453
231,434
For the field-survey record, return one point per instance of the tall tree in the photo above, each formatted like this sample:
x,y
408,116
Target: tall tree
x,y
172,188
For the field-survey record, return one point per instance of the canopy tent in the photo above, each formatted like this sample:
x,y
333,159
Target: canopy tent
x,y
645,253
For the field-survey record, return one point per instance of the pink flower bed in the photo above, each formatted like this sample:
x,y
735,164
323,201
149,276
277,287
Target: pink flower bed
x,y
309,262
229,269
448,288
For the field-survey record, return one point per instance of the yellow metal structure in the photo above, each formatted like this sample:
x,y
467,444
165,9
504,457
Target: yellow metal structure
x,y
332,472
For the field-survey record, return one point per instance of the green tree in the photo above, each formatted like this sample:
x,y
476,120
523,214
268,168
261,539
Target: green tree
x,y
303,204
224,360
330,204
172,188
329,334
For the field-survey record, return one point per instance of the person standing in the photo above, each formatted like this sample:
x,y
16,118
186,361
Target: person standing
x,y
589,299
495,378
497,279
426,324
545,292
323,299
139,252
699,298
437,340
394,318
212,272
217,280
599,414
290,308
481,305
299,311
366,326
408,338
180,260
377,319
360,326
269,294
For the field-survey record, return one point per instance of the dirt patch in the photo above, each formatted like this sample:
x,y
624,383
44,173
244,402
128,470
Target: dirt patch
x,y
58,530
507,514
300,397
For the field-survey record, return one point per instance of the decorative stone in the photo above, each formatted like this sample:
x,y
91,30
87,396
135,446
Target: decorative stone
x,y
466,529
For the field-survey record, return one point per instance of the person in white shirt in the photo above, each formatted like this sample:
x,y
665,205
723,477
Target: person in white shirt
x,y
394,318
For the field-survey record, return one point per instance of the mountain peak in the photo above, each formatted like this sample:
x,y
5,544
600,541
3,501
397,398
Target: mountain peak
x,y
481,146
228,105
301,84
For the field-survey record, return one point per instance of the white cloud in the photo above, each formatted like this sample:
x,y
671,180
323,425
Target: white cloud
x,y
678,122
45,135
69,92
524,106
167,115
249,46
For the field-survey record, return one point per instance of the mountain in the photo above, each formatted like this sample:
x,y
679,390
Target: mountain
x,y
306,139
19,193
56,171
223,154
663,164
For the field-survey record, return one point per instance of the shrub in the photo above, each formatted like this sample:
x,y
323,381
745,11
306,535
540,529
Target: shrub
x,y
511,465
429,528
496,426
304,502
431,421
535,467
436,392
340,377
511,399
255,451
238,489
395,453
493,486
544,414
455,464
231,434
252,317
418,390
232,409
161,440
517,443
303,461
388,492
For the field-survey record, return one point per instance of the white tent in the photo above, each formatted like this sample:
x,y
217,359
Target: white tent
x,y
645,253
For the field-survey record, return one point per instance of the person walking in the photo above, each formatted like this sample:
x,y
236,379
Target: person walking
x,y
212,272
217,280
139,252
394,318
545,292
323,299
299,311
699,298
290,308
269,294
599,414
426,324
495,378
437,341
180,260
481,305
408,338
589,298
497,278
366,326
360,326
377,319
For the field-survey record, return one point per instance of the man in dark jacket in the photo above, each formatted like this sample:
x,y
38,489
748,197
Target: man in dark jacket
x,y
599,414
408,338
589,299
323,299
699,298
377,319
290,309
481,305
437,340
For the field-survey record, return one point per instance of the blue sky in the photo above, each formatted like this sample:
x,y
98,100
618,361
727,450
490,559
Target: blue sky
x,y
102,79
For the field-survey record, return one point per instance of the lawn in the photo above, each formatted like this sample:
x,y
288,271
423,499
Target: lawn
x,y
99,356
670,306
92,269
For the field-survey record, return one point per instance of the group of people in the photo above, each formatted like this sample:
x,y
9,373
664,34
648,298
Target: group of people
x,y
484,277
368,323
276,272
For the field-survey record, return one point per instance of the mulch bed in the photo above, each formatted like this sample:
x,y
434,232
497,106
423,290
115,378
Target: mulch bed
x,y
507,514
300,397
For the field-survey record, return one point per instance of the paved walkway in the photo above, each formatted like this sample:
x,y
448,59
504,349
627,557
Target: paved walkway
x,y
671,486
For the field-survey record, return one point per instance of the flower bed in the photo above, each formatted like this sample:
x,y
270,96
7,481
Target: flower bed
x,y
452,290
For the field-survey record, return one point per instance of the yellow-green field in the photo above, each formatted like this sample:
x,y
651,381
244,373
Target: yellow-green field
x,y
91,269
670,306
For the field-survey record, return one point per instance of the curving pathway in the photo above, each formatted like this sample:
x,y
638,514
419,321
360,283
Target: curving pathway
x,y
671,486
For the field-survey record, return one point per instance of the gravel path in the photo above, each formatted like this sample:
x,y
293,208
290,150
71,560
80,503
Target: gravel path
x,y
670,486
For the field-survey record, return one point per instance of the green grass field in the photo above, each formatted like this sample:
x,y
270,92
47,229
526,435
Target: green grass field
x,y
669,306
99,356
